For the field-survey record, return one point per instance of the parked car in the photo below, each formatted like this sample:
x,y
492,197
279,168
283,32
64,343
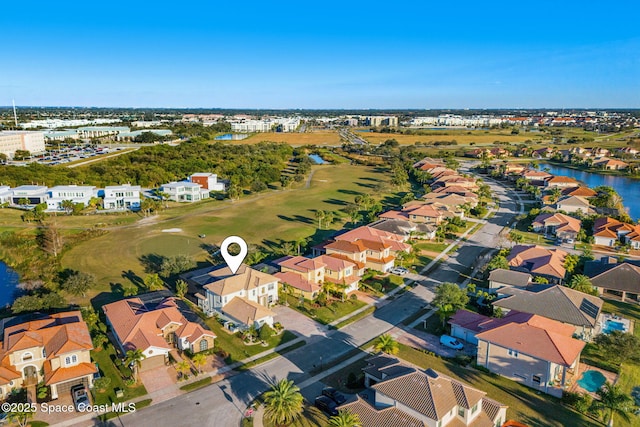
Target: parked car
x,y
326,405
400,271
80,398
334,395
451,342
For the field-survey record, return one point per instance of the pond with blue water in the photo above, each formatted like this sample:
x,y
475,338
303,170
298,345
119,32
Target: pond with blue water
x,y
231,137
317,159
8,285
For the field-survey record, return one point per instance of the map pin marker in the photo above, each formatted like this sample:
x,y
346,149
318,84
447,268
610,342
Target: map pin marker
x,y
234,261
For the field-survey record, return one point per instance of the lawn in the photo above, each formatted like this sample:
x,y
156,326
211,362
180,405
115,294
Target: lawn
x,y
432,246
525,405
293,138
105,360
236,348
325,315
379,286
265,219
462,137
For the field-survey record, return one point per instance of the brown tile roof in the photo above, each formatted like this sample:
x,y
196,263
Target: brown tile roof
x,y
65,374
561,221
347,246
386,417
138,325
295,280
335,264
538,260
222,281
579,191
58,333
246,311
539,337
359,265
300,263
430,394
7,373
396,241
560,179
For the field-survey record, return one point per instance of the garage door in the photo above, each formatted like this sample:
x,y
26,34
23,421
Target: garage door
x,y
64,388
152,362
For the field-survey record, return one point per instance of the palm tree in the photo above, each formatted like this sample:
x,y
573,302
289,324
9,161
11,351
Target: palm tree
x,y
134,359
183,368
582,283
283,403
345,419
615,401
20,417
387,344
153,282
199,360
67,206
320,216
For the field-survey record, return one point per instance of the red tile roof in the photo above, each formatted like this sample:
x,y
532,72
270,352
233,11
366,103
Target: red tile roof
x,y
298,282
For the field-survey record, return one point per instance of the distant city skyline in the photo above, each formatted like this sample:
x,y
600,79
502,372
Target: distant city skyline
x,y
330,55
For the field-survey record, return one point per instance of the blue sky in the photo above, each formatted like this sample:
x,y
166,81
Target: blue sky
x,y
333,54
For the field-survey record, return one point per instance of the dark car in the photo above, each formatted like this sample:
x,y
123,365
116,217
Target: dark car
x,y
326,405
334,395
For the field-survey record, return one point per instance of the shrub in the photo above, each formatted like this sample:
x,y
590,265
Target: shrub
x,y
353,297
102,383
266,332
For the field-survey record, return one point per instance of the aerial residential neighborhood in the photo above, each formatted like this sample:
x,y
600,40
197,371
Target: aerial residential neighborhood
x,y
319,215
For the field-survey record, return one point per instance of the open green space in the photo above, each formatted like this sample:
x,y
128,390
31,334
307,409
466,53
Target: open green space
x,y
264,220
525,405
325,315
105,359
431,246
235,348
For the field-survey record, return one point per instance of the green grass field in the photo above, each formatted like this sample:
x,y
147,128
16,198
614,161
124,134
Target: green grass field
x,y
265,220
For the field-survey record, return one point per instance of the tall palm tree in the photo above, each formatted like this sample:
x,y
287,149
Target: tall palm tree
x,y
320,216
615,401
345,419
387,344
199,359
134,359
283,403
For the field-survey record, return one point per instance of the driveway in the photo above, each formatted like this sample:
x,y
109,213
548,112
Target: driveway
x,y
298,323
423,340
158,378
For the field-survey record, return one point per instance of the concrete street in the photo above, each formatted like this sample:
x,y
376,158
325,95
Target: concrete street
x,y
223,403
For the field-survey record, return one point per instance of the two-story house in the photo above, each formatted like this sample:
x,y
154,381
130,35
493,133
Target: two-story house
x,y
184,191
355,252
75,193
245,296
123,197
308,274
155,325
208,181
54,349
405,396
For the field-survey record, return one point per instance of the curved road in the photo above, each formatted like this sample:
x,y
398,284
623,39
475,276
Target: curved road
x,y
223,403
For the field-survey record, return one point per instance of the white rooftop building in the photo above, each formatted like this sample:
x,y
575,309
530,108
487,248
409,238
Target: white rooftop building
x,y
185,191
5,194
122,197
208,181
280,124
32,194
75,193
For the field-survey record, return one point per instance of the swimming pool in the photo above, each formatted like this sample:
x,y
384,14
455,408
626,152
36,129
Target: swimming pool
x,y
592,381
613,325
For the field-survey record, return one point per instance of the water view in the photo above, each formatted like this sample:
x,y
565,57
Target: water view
x,y
8,284
628,188
317,159
230,137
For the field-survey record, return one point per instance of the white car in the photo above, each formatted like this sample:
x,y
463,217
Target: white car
x,y
400,271
451,342
80,398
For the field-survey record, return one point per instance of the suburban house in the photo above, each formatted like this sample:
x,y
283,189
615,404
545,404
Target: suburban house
x,y
611,164
618,278
313,272
579,191
208,181
418,213
31,194
155,325
536,351
184,191
53,349
558,302
355,252
76,194
500,278
368,233
122,197
608,231
538,261
406,228
633,238
535,175
560,182
573,204
244,297
556,224
405,396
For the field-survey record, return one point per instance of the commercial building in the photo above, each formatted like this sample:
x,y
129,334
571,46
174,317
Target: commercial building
x,y
12,141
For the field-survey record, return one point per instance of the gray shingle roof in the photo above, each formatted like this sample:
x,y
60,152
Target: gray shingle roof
x,y
509,277
620,277
556,302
